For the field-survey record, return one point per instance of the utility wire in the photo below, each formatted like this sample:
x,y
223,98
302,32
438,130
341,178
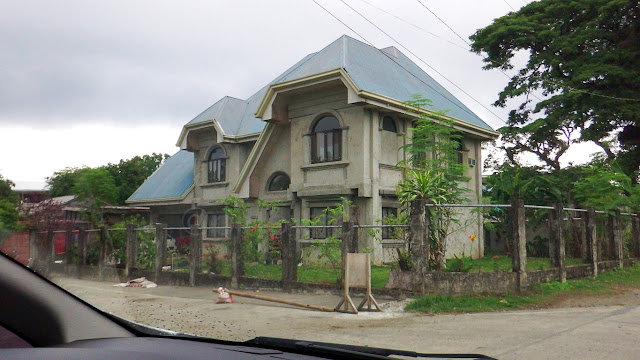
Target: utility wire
x,y
509,5
414,25
397,63
551,81
419,58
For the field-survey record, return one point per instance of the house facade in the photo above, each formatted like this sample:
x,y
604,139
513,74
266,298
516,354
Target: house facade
x,y
330,127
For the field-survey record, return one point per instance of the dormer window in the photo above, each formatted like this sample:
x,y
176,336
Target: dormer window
x,y
217,165
326,141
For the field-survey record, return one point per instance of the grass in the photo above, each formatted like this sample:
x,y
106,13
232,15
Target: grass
x,y
539,295
503,263
319,275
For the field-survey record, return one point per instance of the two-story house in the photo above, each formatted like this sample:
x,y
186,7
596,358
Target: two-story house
x,y
330,126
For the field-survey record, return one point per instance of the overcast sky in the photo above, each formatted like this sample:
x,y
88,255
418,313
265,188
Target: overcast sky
x,y
92,82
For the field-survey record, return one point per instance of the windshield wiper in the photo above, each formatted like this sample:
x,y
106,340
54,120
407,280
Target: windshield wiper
x,y
349,351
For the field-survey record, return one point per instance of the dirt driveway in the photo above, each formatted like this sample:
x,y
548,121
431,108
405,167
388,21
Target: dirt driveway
x,y
593,332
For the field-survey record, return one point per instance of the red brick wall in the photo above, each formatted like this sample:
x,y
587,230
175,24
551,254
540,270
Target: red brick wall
x,y
17,246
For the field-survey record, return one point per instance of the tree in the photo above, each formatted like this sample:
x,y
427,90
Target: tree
x,y
131,173
433,173
8,207
584,59
61,182
96,188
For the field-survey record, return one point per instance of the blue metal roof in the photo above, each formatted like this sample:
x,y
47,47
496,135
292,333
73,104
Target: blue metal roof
x,y
172,180
386,72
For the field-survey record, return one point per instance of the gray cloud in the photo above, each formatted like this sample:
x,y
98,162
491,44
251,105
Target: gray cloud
x,y
89,61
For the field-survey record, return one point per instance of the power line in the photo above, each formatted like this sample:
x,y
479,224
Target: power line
x,y
550,80
419,58
407,70
414,25
509,5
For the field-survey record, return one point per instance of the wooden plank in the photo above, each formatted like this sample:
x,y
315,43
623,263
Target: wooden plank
x,y
281,301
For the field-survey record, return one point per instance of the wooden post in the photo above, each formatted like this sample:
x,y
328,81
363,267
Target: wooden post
x,y
68,251
195,263
558,241
130,253
82,254
590,235
616,237
347,244
635,235
161,249
103,252
237,264
519,242
289,258
419,238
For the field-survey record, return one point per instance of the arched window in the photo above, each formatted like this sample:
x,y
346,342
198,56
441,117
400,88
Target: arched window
x,y
389,124
217,165
279,182
326,143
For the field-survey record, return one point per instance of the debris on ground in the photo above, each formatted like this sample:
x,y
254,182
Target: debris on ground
x,y
139,282
224,296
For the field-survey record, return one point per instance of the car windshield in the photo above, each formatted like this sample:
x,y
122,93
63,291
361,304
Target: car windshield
x,y
441,177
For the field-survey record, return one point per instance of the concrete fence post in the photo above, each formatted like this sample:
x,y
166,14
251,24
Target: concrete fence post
x,y
161,249
237,262
558,241
615,236
592,244
68,251
289,256
635,235
130,253
419,239
195,263
82,253
103,253
519,241
45,254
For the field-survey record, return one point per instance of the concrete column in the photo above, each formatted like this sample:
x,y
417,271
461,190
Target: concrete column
x,y
289,258
635,235
591,240
161,249
130,253
419,239
103,253
616,237
82,253
519,239
68,251
558,241
195,263
237,264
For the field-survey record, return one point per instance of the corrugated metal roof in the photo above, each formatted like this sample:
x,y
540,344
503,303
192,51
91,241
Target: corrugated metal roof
x,y
386,72
172,180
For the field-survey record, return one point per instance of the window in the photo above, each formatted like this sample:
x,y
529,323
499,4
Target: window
x,y
460,152
215,220
326,143
389,124
388,212
325,219
217,165
279,182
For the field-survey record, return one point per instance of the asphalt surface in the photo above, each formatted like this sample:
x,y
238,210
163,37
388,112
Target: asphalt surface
x,y
602,332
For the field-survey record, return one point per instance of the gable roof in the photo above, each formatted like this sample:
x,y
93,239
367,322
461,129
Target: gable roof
x,y
171,181
386,72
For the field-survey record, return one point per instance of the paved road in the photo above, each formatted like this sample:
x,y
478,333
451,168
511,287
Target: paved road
x,y
607,332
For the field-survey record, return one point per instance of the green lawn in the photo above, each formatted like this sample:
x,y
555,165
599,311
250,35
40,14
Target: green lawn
x,y
539,295
503,263
320,275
